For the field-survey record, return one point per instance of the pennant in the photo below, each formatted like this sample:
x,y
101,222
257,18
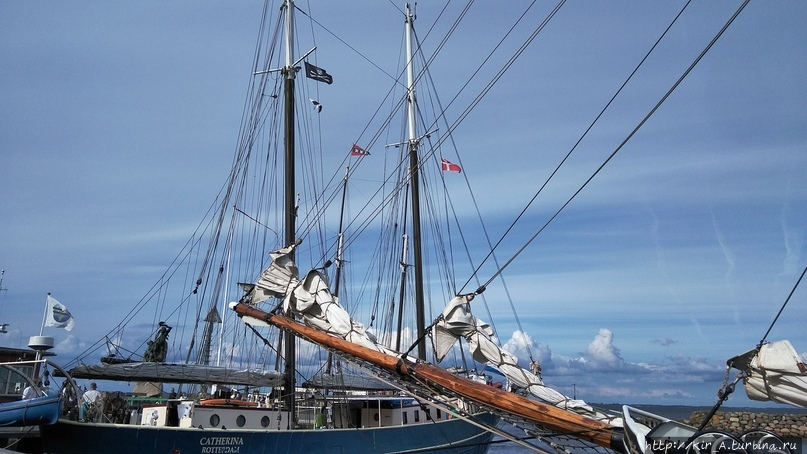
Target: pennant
x,y
449,166
318,74
358,151
58,316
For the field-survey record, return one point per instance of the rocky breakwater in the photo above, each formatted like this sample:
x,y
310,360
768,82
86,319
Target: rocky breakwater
x,y
737,422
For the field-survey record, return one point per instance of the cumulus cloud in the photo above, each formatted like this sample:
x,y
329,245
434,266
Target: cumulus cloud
x,y
602,354
69,346
602,374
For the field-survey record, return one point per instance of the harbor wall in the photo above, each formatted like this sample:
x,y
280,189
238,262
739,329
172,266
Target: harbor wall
x,y
737,422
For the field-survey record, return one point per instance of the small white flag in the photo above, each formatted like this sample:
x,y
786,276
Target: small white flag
x,y
58,316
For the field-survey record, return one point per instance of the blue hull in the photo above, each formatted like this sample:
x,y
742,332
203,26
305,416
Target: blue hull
x,y
451,436
31,412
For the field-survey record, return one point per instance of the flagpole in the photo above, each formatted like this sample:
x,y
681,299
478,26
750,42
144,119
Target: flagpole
x,y
42,329
44,316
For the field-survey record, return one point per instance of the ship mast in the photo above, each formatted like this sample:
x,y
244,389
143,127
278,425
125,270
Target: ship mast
x,y
414,142
288,71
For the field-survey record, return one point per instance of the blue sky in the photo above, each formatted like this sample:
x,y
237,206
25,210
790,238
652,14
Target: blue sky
x,y
118,122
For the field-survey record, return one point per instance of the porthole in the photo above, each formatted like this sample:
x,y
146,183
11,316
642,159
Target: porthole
x,y
375,416
214,420
240,421
265,421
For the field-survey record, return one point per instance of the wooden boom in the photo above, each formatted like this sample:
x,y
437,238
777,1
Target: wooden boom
x,y
544,415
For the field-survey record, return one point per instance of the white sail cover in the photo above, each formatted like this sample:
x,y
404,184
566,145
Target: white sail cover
x,y
457,320
277,277
178,373
310,299
774,372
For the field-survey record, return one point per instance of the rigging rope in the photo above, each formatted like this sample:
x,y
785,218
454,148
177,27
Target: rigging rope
x,y
574,147
621,145
468,184
787,300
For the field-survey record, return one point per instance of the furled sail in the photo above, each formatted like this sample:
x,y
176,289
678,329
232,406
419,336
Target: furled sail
x,y
276,278
457,320
311,299
774,372
178,373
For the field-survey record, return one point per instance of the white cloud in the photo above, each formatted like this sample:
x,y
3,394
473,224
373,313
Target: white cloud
x,y
601,352
602,374
70,345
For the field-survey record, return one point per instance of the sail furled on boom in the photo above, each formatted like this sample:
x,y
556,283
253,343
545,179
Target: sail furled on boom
x,y
276,279
309,298
178,373
457,321
773,371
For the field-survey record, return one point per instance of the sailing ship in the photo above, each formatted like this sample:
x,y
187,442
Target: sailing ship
x,y
382,418
460,412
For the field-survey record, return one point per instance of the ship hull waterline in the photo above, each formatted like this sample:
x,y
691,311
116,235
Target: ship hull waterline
x,y
451,436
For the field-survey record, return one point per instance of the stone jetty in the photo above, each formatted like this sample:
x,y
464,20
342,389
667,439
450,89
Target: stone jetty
x,y
737,422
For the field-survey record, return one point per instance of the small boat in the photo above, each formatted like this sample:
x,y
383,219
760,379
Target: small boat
x,y
230,402
30,412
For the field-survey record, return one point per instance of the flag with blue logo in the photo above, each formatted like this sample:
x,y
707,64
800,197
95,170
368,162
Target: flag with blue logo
x,y
58,316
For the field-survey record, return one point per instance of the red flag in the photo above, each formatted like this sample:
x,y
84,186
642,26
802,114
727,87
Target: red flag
x,y
358,151
449,166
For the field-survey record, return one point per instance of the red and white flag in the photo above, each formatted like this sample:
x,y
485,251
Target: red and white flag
x,y
449,166
358,151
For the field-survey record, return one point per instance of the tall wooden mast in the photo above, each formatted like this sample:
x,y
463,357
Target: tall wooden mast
x,y
289,71
414,142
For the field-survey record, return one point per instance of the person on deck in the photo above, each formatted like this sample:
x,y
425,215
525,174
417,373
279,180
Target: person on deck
x,y
30,391
88,399
321,419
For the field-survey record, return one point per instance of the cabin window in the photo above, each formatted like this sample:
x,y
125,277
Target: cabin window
x,y
215,420
375,416
428,414
439,414
241,420
265,421
417,415
405,417
12,382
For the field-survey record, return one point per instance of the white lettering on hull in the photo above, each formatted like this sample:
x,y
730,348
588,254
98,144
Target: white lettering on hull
x,y
221,445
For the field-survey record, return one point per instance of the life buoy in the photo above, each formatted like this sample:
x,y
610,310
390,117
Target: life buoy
x,y
230,402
